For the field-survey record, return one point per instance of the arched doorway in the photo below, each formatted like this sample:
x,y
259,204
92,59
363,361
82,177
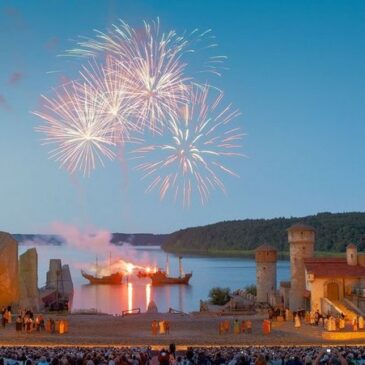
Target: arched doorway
x,y
333,291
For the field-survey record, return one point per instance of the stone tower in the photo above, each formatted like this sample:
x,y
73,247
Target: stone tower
x,y
301,239
266,257
351,254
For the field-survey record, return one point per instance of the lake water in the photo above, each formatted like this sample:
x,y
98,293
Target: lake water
x,y
208,272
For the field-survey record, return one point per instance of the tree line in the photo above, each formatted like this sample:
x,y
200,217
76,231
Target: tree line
x,y
333,232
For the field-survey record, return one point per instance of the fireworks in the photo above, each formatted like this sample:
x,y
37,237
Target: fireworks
x,y
153,66
136,81
110,97
74,123
200,139
150,67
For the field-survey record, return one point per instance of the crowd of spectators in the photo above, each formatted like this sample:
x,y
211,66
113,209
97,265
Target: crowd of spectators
x,y
191,356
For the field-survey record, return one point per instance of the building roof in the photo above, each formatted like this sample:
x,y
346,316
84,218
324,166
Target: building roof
x,y
326,267
300,227
266,247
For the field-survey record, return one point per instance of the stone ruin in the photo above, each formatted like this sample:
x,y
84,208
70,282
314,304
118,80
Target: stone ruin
x,y
59,277
28,280
9,285
19,277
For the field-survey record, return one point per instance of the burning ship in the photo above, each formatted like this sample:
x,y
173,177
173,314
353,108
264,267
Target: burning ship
x,y
162,277
112,279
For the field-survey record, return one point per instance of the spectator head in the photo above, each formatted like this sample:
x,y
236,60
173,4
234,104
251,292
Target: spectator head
x,y
260,360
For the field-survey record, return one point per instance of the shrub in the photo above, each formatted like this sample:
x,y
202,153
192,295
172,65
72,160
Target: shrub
x,y
251,289
220,296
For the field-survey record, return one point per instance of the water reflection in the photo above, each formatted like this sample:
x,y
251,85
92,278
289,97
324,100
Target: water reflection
x,y
148,295
130,296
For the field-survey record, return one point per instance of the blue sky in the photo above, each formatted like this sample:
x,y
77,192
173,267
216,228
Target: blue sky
x,y
296,72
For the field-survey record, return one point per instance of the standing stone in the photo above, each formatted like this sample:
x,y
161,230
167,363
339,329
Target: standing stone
x,y
54,274
67,284
28,280
59,282
9,283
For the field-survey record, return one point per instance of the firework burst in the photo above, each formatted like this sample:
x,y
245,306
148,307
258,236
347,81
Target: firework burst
x,y
73,122
110,97
152,66
201,138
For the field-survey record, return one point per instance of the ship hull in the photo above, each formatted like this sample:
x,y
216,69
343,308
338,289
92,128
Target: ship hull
x,y
161,279
113,279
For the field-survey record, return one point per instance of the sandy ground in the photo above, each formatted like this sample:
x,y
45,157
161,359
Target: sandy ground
x,y
185,330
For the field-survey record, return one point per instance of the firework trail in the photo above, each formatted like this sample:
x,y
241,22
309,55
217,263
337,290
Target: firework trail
x,y
200,139
75,124
152,67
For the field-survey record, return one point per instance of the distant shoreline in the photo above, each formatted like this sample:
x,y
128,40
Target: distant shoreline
x,y
282,255
249,254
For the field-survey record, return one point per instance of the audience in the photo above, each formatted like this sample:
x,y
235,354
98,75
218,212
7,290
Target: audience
x,y
192,356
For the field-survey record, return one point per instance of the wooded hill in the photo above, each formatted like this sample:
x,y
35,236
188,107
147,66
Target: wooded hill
x,y
333,232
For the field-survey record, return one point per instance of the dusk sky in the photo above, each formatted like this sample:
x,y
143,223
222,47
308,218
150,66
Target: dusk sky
x,y
296,71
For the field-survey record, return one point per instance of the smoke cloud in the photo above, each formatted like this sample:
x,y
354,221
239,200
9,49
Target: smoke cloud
x,y
98,241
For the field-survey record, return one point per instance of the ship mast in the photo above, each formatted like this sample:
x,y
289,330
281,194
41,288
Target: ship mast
x,y
181,270
96,266
167,265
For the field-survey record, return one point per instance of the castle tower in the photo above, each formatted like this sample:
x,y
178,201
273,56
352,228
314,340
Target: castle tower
x,y
301,239
266,257
351,254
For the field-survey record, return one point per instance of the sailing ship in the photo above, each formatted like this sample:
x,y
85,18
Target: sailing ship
x,y
162,277
112,279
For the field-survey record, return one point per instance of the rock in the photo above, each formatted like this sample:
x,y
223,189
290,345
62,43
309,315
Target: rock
x,y
28,280
68,287
9,283
152,307
54,274
59,286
